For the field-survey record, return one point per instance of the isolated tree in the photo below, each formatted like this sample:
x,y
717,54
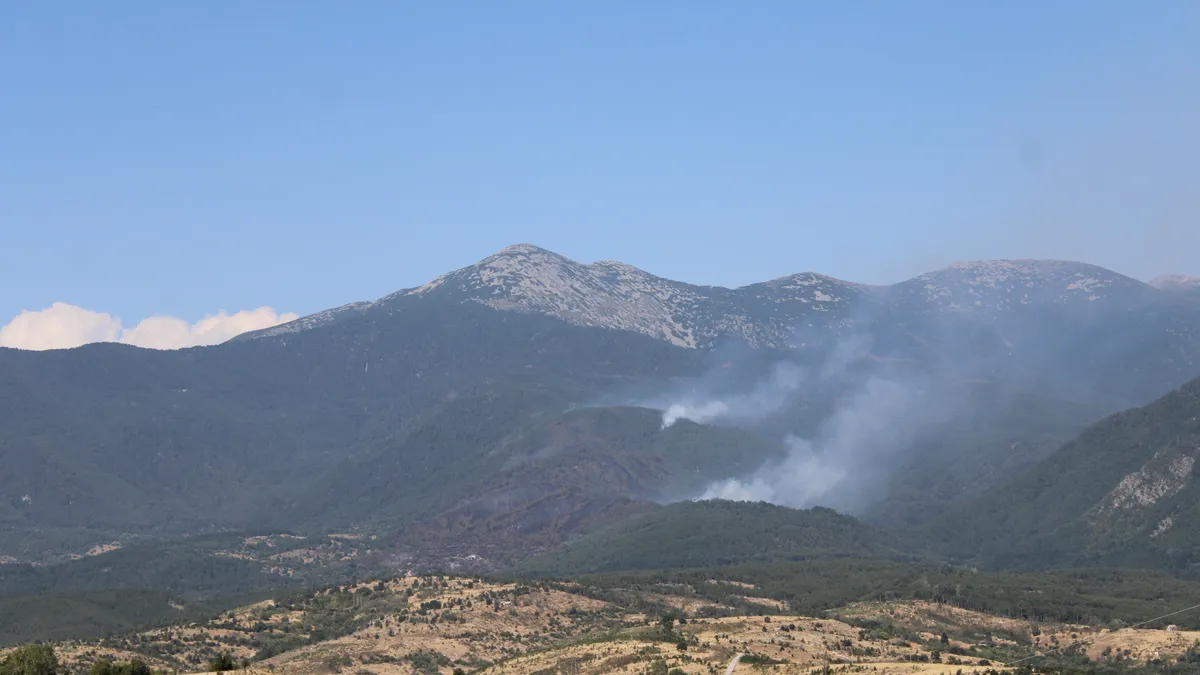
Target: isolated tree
x,y
105,666
223,662
30,660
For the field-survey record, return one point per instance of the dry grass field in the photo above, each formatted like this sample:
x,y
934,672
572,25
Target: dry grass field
x,y
447,625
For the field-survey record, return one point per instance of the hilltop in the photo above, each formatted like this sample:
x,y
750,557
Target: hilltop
x,y
717,532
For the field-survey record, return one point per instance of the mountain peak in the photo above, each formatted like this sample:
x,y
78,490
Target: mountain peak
x,y
1022,265
999,285
618,296
522,249
528,278
1175,282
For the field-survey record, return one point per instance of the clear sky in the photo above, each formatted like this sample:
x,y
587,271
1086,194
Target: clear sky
x,y
180,158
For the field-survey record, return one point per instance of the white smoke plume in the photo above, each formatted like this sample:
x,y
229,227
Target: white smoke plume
x,y
860,417
769,395
702,412
837,467
803,479
63,326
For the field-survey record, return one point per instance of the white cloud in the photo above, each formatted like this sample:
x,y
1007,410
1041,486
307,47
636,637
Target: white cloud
x,y
58,327
168,332
62,326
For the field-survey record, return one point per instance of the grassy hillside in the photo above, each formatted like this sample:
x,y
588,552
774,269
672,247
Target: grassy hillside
x,y
696,621
713,533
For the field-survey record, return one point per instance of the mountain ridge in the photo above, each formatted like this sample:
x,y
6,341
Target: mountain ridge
x,y
618,296
1176,282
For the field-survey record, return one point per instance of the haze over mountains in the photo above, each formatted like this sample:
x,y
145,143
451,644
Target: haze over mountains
x,y
515,404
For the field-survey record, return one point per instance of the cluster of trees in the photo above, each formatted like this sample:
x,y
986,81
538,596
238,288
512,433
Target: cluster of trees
x,y
41,660
105,666
223,663
1095,597
716,533
30,660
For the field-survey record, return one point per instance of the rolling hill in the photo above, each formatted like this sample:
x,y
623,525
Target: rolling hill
x,y
820,616
713,533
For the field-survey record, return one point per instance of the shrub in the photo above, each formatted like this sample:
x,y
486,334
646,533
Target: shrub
x,y
30,660
222,663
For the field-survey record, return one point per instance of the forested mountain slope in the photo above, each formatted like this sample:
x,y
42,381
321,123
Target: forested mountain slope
x,y
710,533
1123,493
449,403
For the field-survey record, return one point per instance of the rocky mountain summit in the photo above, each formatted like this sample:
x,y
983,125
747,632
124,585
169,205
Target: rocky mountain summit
x,y
614,295
1176,282
991,287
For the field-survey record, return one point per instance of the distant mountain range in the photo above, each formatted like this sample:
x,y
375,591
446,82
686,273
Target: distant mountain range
x,y
508,407
1101,330
775,314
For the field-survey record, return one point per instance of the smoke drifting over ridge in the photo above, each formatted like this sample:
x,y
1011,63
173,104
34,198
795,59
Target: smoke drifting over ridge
x,y
768,394
765,399
909,405
843,460
849,418
872,421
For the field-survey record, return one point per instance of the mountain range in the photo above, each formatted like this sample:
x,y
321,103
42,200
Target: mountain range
x,y
786,313
509,407
1097,328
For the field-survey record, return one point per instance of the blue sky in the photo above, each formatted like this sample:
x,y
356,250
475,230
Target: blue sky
x,y
183,158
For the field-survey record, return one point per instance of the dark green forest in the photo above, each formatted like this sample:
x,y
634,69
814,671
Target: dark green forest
x,y
718,533
1089,596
